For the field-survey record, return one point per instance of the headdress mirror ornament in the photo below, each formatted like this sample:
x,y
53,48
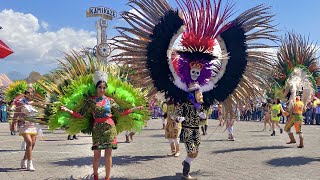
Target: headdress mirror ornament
x,y
100,76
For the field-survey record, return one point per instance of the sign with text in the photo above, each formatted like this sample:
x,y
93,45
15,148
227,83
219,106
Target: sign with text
x,y
102,12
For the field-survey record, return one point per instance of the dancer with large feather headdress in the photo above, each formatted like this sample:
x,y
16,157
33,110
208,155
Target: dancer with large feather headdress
x,y
197,56
296,79
91,98
26,110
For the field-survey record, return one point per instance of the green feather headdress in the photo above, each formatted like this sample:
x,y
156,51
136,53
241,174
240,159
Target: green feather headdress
x,y
72,84
295,52
19,87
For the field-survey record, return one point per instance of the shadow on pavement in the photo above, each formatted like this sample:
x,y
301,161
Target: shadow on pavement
x,y
261,135
213,140
157,135
10,170
177,176
83,178
9,150
198,173
292,161
117,160
53,140
250,149
152,129
255,131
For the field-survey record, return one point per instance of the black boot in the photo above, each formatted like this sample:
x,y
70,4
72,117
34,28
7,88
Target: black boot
x,y
75,137
69,137
186,170
273,133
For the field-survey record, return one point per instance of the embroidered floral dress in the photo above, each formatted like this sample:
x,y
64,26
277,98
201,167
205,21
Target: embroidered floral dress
x,y
24,110
104,130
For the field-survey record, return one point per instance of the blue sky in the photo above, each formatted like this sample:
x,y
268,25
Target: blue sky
x,y
56,17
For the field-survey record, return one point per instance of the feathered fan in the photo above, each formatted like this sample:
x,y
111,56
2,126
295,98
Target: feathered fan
x,y
298,69
171,50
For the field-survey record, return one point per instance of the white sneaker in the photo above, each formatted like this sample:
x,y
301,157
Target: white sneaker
x,y
30,166
23,164
177,154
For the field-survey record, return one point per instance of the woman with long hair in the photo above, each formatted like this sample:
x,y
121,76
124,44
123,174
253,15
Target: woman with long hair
x,y
27,129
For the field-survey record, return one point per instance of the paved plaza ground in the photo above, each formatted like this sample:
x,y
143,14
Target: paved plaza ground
x,y
254,155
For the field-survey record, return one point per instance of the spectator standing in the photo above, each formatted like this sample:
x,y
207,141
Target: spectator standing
x,y
4,115
309,112
317,113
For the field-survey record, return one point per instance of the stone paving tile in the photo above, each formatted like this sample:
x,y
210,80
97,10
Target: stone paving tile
x,y
254,155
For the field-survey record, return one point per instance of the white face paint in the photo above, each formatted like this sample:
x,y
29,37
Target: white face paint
x,y
195,73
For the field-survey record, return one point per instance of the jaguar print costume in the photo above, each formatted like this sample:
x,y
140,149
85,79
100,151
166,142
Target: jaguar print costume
x,y
173,128
190,133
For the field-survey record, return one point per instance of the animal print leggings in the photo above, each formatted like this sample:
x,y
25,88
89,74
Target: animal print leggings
x,y
191,138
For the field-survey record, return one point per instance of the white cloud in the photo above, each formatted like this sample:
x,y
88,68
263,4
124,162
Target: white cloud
x,y
44,25
35,48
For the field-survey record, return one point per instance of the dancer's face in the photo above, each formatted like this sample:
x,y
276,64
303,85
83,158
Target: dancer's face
x,y
29,93
199,96
101,89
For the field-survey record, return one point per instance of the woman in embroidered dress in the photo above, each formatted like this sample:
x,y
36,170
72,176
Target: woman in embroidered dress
x,y
27,129
104,130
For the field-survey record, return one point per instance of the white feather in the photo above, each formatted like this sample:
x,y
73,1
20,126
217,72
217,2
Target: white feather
x,y
298,81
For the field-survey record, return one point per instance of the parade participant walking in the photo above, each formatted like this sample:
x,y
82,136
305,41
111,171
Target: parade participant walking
x,y
72,137
225,77
296,120
266,107
129,136
231,117
27,129
165,113
204,126
276,110
172,128
220,114
104,130
191,114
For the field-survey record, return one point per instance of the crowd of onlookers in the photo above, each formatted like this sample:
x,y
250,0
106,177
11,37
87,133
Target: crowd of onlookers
x,y
255,112
312,113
